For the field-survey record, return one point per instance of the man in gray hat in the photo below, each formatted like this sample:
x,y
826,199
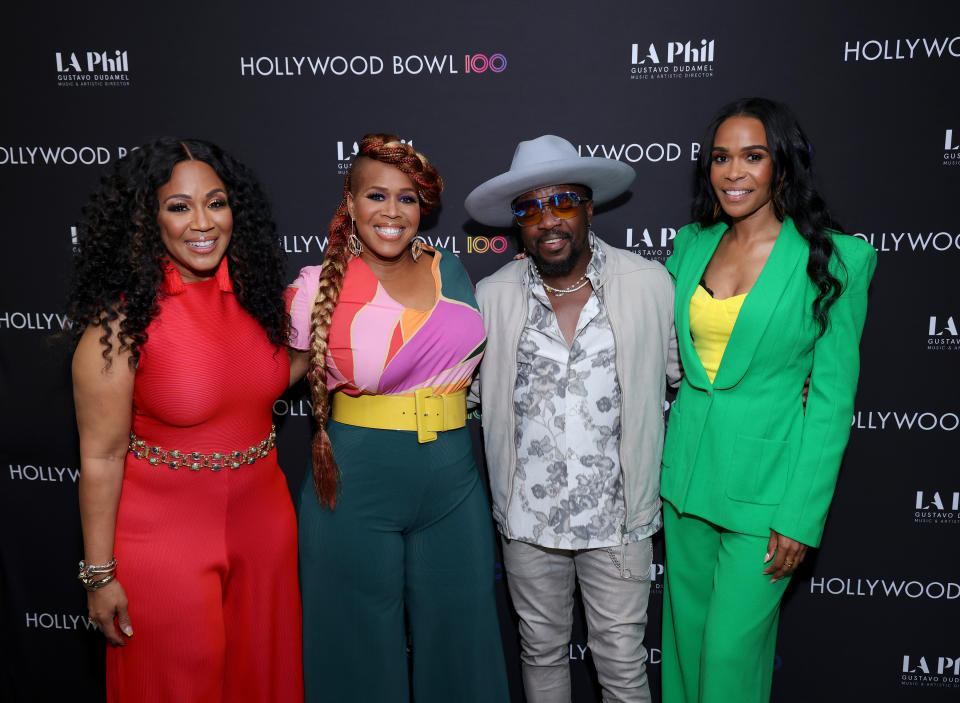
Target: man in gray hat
x,y
580,344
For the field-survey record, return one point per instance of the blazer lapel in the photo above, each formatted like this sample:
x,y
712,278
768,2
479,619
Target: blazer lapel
x,y
705,243
789,253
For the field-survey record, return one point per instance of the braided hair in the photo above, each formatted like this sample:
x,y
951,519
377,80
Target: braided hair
x,y
388,149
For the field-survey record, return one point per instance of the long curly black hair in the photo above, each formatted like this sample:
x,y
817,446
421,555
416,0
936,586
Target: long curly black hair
x,y
119,265
796,192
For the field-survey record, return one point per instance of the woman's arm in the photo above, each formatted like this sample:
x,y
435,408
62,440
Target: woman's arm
x,y
103,396
299,297
829,407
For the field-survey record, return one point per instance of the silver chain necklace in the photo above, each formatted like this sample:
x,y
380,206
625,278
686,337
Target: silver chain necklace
x,y
560,292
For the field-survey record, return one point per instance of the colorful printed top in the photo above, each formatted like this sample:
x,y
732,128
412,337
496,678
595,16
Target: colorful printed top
x,y
378,346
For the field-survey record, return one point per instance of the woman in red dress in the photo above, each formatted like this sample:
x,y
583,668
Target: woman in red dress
x,y
188,528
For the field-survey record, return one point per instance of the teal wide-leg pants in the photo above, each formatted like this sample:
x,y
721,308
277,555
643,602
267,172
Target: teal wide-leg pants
x,y
720,614
411,534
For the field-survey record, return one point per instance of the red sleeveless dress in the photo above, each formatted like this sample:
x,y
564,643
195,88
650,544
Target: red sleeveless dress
x,y
208,559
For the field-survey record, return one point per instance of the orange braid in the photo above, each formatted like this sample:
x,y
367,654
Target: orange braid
x,y
388,149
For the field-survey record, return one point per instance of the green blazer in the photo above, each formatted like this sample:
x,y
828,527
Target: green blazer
x,y
741,452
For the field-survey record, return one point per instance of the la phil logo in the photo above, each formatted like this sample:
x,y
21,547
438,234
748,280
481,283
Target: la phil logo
x,y
951,149
93,69
932,672
651,243
942,334
672,59
347,151
937,508
656,579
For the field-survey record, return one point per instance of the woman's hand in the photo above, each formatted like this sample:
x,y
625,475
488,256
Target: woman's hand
x,y
105,604
787,555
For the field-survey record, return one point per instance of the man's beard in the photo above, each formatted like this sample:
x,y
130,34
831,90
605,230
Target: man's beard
x,y
559,268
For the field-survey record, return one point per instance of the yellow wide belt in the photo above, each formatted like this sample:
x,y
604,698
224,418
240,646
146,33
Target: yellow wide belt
x,y
424,412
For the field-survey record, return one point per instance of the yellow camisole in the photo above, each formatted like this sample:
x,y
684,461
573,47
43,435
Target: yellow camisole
x,y
711,323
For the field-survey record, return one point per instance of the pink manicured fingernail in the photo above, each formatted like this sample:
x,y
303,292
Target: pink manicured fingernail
x,y
128,631
766,558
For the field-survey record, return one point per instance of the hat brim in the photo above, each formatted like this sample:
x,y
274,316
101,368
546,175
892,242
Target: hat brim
x,y
489,203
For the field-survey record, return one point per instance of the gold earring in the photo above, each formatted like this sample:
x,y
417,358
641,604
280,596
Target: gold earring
x,y
416,248
716,210
354,245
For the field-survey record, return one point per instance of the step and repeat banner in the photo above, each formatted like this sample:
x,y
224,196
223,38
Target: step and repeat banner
x,y
291,87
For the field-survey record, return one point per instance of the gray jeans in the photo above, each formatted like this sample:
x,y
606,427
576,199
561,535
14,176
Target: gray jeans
x,y
615,584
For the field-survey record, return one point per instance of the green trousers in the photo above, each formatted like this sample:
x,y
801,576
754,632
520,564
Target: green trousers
x,y
720,614
411,539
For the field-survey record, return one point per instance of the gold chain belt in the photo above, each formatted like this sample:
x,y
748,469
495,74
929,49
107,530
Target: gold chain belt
x,y
195,461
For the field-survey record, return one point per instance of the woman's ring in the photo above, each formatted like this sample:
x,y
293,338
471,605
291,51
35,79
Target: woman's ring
x,y
788,563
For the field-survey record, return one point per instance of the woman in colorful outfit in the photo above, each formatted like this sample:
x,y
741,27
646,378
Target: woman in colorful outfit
x,y
188,528
393,517
769,295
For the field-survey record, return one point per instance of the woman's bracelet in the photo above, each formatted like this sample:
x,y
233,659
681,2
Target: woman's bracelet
x,y
94,576
92,585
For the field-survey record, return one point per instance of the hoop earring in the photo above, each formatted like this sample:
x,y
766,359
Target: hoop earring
x,y
354,245
416,248
716,211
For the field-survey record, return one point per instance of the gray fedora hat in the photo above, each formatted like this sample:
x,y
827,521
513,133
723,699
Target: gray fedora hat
x,y
540,162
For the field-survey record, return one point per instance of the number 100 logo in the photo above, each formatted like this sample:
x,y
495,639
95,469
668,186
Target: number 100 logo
x,y
478,63
481,245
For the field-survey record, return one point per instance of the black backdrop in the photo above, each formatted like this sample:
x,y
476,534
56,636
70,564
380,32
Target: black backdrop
x,y
289,87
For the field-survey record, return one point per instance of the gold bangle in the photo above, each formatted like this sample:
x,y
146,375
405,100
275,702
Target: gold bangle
x,y
89,573
98,568
90,585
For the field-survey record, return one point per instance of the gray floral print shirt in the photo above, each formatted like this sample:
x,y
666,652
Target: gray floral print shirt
x,y
568,487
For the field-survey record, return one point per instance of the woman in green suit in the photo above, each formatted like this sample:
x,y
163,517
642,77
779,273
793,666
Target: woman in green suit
x,y
769,296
